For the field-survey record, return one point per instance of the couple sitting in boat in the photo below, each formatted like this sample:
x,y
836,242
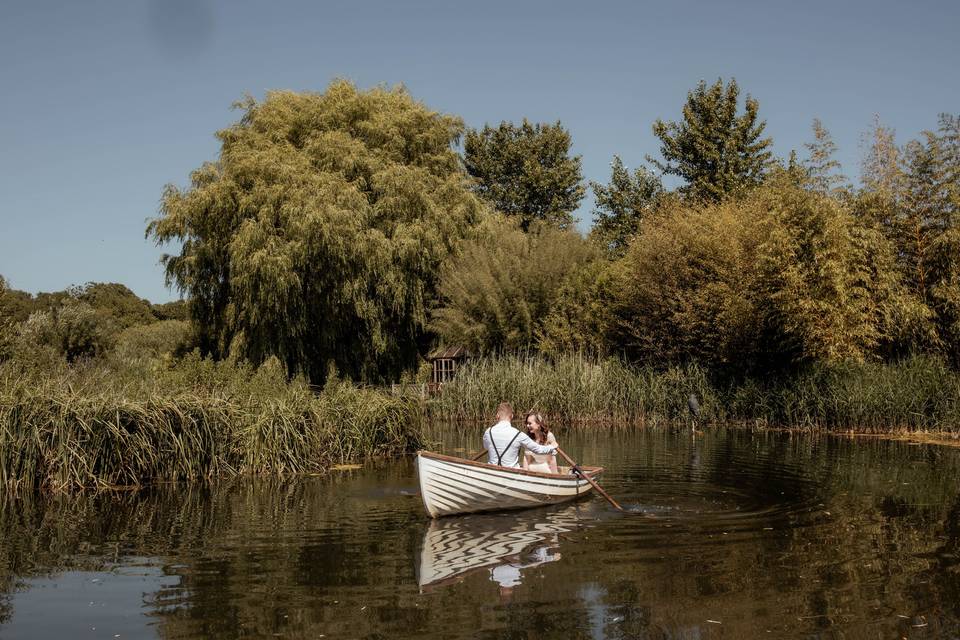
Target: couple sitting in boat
x,y
503,442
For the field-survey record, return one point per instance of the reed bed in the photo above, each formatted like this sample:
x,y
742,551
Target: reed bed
x,y
576,390
917,394
75,428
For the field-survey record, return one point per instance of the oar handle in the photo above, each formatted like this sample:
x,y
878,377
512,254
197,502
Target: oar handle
x,y
586,477
479,455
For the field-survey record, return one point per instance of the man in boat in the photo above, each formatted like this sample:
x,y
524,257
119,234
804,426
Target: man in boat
x,y
503,442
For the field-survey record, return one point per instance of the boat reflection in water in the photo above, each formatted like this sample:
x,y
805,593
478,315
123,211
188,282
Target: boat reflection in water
x,y
504,544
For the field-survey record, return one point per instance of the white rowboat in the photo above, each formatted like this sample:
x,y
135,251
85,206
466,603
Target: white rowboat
x,y
451,486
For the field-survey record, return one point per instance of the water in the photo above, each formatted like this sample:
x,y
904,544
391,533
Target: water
x,y
731,534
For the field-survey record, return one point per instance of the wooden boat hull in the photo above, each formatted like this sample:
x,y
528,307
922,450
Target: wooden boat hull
x,y
451,486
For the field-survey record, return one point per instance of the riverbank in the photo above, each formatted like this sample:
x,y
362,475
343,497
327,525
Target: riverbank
x,y
920,394
67,427
110,423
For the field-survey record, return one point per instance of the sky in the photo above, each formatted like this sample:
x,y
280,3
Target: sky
x,y
102,103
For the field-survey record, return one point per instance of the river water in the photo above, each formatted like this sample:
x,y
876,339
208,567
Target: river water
x,y
729,534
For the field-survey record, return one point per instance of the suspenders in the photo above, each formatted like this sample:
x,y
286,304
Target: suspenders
x,y
507,448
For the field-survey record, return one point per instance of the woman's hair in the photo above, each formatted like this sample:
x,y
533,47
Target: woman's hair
x,y
541,435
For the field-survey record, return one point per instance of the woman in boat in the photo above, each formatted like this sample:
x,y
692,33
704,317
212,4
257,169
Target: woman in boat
x,y
539,433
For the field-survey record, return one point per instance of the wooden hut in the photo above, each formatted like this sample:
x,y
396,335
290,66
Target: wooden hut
x,y
445,362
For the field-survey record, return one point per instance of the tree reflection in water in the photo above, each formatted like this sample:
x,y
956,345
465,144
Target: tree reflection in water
x,y
796,535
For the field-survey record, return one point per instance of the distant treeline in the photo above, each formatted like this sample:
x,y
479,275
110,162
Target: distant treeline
x,y
353,231
347,230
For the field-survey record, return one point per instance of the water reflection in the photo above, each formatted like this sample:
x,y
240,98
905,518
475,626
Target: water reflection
x,y
754,534
504,545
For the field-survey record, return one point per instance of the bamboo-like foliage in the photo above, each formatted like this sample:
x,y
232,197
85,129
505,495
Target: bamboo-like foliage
x,y
317,235
83,428
496,293
781,276
913,193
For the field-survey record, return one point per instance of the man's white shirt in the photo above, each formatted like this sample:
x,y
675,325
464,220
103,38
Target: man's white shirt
x,y
503,435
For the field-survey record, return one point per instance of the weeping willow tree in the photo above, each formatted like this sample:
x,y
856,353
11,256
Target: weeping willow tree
x,y
317,235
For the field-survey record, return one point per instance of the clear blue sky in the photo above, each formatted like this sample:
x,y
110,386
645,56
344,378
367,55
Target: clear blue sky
x,y
105,102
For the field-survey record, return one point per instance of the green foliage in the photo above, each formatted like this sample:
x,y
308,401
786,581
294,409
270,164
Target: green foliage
x,y
115,301
7,331
913,194
574,390
622,205
830,283
526,171
73,330
714,150
16,306
684,291
822,167
75,427
153,341
317,235
579,318
497,291
782,276
175,310
917,394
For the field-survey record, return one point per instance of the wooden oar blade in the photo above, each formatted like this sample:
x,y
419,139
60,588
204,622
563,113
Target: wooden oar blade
x,y
585,476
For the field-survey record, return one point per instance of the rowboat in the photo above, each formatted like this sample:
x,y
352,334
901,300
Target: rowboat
x,y
451,486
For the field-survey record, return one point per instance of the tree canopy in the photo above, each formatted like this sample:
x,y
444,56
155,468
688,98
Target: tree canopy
x,y
526,171
497,292
715,151
317,235
784,275
621,205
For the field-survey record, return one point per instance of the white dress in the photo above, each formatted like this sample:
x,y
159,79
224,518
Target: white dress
x,y
541,462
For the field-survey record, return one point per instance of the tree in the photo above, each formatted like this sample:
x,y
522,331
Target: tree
x,y
823,169
830,281
881,175
713,149
317,235
174,310
74,330
881,171
927,228
579,316
117,302
684,289
783,275
526,171
497,291
622,204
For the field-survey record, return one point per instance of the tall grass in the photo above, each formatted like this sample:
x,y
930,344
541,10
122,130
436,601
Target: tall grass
x,y
918,394
576,390
94,427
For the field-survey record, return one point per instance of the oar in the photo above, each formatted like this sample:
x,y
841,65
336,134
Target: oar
x,y
479,455
576,468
